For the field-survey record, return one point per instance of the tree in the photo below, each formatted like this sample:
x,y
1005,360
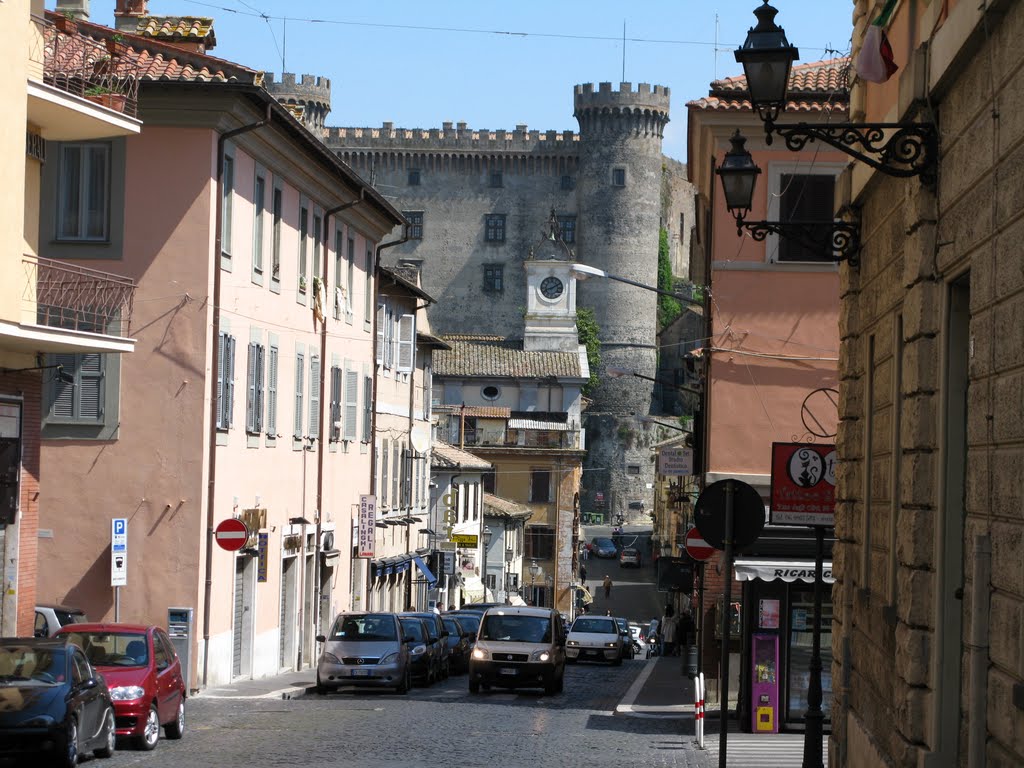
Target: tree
x,y
589,332
668,308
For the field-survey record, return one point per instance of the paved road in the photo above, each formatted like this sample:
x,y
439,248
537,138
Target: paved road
x,y
633,593
440,725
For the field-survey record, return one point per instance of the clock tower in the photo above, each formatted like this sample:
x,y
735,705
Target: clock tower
x,y
550,296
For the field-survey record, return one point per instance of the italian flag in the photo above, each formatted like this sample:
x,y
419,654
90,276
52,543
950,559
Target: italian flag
x,y
874,62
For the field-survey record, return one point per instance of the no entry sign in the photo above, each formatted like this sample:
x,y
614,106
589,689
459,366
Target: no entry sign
x,y
696,547
231,534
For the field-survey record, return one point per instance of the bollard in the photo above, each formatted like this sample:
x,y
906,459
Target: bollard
x,y
699,710
691,661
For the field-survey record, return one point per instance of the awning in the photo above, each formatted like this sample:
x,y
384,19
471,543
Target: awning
x,y
544,426
431,578
786,570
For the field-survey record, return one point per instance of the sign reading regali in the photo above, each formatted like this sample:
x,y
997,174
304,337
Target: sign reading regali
x,y
803,484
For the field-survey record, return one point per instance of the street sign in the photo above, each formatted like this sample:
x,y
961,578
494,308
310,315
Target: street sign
x,y
119,552
367,524
231,534
747,511
675,462
803,484
674,574
465,539
449,563
696,547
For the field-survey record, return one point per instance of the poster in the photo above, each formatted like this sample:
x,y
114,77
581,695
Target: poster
x,y
768,614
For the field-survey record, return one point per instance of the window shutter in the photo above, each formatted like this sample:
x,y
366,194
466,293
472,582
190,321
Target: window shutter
x,y
406,342
272,393
64,393
351,404
428,391
260,366
335,430
221,355
314,396
381,318
250,385
229,382
384,473
300,363
397,456
367,408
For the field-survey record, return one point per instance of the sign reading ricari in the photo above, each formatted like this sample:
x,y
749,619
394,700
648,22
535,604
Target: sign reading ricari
x,y
803,484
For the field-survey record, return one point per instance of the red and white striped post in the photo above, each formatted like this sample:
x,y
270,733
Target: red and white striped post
x,y
698,709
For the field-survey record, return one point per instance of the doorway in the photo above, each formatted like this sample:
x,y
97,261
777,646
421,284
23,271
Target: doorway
x,y
286,653
241,650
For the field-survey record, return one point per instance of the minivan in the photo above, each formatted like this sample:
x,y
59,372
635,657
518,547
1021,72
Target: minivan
x,y
364,649
519,647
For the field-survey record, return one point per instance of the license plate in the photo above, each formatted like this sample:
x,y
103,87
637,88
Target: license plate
x,y
361,672
507,671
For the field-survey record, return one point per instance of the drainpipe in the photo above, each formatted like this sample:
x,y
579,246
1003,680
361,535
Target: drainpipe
x,y
373,412
215,362
978,651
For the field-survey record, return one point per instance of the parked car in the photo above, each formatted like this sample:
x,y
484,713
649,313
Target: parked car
x,y
364,649
627,638
636,633
480,608
56,706
594,638
144,674
602,546
424,656
438,638
470,621
50,618
459,643
630,556
519,647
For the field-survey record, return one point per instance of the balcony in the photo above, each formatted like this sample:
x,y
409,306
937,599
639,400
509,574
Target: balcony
x,y
68,308
518,436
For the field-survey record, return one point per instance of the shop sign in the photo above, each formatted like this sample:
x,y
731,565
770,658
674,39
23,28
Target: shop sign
x,y
768,614
675,462
261,560
367,524
803,488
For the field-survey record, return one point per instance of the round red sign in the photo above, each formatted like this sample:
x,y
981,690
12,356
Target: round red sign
x,y
231,534
696,547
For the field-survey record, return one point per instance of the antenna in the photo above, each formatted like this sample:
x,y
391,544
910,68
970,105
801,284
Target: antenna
x,y
284,41
716,46
623,51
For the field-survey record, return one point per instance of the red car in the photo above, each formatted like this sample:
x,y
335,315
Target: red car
x,y
143,673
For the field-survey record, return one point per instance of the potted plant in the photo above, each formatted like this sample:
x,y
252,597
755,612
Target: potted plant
x,y
102,95
66,23
116,45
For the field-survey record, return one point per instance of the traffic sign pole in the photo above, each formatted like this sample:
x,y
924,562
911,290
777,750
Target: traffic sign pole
x,y
726,611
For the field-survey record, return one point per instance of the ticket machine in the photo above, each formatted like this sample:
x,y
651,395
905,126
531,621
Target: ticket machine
x,y
764,688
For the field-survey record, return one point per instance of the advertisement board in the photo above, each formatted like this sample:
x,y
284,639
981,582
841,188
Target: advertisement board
x,y
675,462
367,519
803,484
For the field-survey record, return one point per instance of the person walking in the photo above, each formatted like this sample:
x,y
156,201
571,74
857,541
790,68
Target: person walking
x,y
583,575
607,584
669,630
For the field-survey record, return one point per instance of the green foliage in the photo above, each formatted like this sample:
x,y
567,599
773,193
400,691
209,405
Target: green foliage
x,y
668,308
589,333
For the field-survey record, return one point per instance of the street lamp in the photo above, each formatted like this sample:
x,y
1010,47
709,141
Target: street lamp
x,y
535,571
585,271
486,537
896,149
618,373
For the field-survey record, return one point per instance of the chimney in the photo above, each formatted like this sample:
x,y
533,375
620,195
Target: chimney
x,y
77,8
127,14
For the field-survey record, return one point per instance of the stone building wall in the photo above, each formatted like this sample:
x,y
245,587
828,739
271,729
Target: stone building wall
x,y
930,476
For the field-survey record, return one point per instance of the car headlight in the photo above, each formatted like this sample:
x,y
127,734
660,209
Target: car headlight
x,y
391,658
126,693
39,721
419,650
611,645
330,658
573,643
479,653
540,656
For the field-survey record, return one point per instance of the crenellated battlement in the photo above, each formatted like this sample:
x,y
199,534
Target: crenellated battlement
x,y
308,88
453,137
645,97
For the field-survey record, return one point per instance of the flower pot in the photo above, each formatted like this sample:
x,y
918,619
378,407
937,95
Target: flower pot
x,y
66,25
114,101
116,47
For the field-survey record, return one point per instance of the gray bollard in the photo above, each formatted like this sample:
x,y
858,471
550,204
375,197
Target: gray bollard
x,y
691,660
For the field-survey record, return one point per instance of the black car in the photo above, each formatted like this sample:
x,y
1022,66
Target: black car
x,y
424,656
56,706
458,643
438,637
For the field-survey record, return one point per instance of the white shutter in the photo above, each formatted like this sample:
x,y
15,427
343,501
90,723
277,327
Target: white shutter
x,y
258,408
335,414
406,343
367,408
221,358
314,396
381,318
351,404
300,379
250,386
229,382
272,394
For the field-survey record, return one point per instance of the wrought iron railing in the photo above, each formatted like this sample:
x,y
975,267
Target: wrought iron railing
x,y
78,298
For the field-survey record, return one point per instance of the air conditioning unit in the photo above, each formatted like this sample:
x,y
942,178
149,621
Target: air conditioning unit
x,y
327,540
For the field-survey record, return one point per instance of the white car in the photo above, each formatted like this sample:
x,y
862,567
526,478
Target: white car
x,y
637,634
594,638
50,618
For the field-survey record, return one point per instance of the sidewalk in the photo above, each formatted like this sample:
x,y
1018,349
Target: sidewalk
x,y
283,686
661,690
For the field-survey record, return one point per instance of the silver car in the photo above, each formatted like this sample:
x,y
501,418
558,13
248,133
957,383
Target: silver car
x,y
364,649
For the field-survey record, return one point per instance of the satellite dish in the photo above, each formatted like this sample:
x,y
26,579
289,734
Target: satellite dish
x,y
420,437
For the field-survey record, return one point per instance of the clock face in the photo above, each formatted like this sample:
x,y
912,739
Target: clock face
x,y
551,287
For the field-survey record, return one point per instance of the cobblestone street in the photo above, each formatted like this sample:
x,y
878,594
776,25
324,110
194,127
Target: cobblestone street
x,y
442,724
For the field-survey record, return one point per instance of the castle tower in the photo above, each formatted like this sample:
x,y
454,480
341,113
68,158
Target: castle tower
x,y
619,204
309,100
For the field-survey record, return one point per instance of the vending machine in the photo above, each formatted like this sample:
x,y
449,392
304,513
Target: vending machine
x,y
764,688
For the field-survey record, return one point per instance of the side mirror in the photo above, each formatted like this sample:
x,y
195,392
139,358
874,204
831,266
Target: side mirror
x,y
92,682
407,640
321,639
161,666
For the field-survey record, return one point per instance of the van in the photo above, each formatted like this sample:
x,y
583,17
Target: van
x,y
519,647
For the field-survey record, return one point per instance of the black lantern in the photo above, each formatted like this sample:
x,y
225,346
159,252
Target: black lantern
x,y
739,177
767,59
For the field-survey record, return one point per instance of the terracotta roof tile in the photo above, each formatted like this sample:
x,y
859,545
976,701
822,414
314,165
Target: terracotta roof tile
x,y
495,506
818,86
503,359
447,456
175,27
483,411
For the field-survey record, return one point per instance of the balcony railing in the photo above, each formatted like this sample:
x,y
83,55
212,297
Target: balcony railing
x,y
511,438
78,298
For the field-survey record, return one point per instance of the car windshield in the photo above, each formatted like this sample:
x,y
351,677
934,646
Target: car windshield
x,y
604,542
22,663
414,628
453,627
595,626
364,627
469,622
112,649
516,629
68,617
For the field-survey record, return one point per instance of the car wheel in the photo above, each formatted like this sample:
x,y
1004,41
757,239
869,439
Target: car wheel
x,y
110,737
176,729
69,758
406,684
322,689
446,670
569,660
551,686
474,686
561,682
618,662
151,733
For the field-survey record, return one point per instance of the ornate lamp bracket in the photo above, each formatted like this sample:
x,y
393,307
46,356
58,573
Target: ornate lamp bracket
x,y
841,238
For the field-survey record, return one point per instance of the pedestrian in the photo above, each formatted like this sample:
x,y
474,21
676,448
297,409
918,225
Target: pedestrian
x,y
669,631
586,551
653,644
607,584
583,575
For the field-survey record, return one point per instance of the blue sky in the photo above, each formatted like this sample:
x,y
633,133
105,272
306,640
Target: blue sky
x,y
494,65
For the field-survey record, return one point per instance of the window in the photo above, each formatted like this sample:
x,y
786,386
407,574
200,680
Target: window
x,y
568,183
300,377
495,179
227,195
303,243
314,396
540,485
335,406
415,219
618,177
351,404
489,480
406,357
225,380
368,288
367,408
494,231
339,265
632,469
272,393
350,283
682,227
414,177
808,198
259,204
567,228
254,389
318,227
80,399
385,457
83,196
539,542
490,392
396,456
428,390
494,278
382,335
275,253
